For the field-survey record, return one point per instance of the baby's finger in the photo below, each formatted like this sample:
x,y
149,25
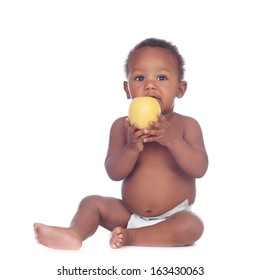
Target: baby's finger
x,y
139,133
132,128
150,132
161,118
156,125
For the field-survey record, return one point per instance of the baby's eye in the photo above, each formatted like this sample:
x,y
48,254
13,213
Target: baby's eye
x,y
162,78
139,78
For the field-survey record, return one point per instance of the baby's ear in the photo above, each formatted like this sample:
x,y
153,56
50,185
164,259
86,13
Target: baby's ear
x,y
182,89
126,89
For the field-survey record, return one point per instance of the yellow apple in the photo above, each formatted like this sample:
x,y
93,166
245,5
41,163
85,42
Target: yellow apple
x,y
143,110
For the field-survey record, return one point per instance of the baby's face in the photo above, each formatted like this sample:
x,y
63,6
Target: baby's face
x,y
153,72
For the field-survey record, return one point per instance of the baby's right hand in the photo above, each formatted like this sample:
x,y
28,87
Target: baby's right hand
x,y
135,136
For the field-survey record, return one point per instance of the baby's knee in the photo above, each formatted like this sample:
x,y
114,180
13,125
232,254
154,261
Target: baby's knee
x,y
91,201
198,229
190,227
195,228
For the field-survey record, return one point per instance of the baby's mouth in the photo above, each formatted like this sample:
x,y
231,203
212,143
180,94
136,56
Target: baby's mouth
x,y
156,98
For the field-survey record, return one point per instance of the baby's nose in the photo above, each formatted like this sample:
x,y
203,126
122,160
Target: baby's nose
x,y
150,85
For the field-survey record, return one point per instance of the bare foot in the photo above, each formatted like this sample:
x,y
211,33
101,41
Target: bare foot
x,y
57,237
120,237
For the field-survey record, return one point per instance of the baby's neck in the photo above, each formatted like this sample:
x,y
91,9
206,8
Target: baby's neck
x,y
169,115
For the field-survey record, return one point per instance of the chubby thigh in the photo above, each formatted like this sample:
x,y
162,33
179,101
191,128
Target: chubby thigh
x,y
113,213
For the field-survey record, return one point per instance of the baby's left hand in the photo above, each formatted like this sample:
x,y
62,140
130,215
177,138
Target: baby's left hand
x,y
161,132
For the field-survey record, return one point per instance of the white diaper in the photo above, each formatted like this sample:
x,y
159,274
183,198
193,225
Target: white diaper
x,y
136,221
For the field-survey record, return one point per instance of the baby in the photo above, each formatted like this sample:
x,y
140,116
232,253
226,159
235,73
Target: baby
x,y
158,166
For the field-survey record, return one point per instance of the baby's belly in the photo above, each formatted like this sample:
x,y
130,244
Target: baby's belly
x,y
153,196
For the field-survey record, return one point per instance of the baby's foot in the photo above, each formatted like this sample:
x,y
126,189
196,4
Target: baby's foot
x,y
120,237
57,237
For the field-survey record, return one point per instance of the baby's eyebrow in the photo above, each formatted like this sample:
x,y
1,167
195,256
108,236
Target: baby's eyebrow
x,y
163,69
136,70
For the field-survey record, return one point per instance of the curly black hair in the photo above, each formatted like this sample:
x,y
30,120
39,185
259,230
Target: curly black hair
x,y
159,43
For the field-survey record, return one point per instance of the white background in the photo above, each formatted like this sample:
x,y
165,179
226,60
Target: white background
x,y
61,76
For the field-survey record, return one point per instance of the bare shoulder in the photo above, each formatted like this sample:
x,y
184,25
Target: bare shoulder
x,y
192,132
118,129
186,121
119,124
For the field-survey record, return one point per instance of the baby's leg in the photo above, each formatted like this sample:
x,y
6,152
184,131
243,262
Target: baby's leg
x,y
92,212
183,228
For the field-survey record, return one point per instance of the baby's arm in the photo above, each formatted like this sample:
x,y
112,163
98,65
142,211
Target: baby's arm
x,y
188,149
123,151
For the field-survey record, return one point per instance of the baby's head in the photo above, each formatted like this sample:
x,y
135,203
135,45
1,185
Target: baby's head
x,y
159,43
